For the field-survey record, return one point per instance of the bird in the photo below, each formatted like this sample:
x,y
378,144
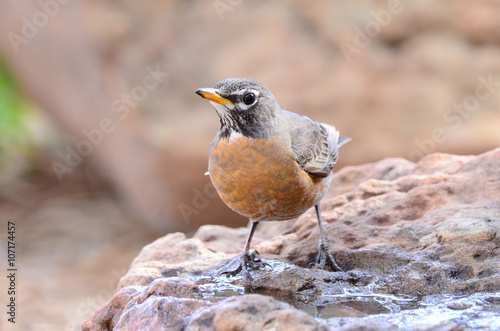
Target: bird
x,y
269,164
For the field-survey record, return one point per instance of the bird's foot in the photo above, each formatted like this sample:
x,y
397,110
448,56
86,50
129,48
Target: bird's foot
x,y
325,259
245,262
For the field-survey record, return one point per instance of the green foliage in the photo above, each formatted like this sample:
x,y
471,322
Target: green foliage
x,y
13,115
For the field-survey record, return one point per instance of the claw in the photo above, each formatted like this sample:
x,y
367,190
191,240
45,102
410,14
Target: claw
x,y
325,259
254,256
245,262
328,262
230,272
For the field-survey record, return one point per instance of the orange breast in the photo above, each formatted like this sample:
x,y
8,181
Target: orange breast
x,y
260,179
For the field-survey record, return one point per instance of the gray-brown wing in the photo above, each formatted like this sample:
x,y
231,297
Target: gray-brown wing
x,y
314,144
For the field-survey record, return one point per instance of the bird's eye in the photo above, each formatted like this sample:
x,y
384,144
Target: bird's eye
x,y
249,98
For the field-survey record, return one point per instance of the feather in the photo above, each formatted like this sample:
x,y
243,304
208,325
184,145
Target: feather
x,y
315,144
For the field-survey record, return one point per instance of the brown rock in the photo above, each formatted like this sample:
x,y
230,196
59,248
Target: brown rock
x,y
404,231
158,313
173,286
171,256
107,316
458,305
252,312
478,23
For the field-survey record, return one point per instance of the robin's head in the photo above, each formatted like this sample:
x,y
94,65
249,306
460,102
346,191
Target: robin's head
x,y
244,106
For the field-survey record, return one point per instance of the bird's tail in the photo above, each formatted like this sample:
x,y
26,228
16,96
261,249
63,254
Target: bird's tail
x,y
343,140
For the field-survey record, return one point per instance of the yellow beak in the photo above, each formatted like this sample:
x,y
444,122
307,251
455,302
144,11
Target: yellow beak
x,y
212,94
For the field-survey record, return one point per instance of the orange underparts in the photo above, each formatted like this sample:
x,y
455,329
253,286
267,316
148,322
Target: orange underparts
x,y
260,179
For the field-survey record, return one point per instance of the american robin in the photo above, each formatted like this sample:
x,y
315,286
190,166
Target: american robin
x,y
269,164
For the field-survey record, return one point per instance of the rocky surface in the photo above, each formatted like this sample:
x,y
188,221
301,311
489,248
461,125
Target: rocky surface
x,y
418,242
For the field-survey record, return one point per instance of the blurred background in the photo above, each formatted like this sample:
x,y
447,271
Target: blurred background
x,y
103,143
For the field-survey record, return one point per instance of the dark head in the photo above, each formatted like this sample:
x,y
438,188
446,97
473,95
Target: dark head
x,y
244,106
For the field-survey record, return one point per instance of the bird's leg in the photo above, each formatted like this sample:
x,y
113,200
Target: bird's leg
x,y
325,259
246,261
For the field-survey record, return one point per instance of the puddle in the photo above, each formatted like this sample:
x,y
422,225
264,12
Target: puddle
x,y
407,312
358,305
220,290
480,310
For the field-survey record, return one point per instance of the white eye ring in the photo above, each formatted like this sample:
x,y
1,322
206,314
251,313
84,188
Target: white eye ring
x,y
243,103
249,98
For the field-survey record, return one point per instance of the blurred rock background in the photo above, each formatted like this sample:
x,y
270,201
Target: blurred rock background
x,y
103,143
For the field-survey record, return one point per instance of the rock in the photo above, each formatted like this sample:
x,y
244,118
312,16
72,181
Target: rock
x,y
467,230
107,316
478,23
408,237
158,313
221,238
171,256
252,312
459,305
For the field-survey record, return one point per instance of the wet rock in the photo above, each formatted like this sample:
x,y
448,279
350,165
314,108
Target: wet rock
x,y
459,305
252,312
409,237
158,313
